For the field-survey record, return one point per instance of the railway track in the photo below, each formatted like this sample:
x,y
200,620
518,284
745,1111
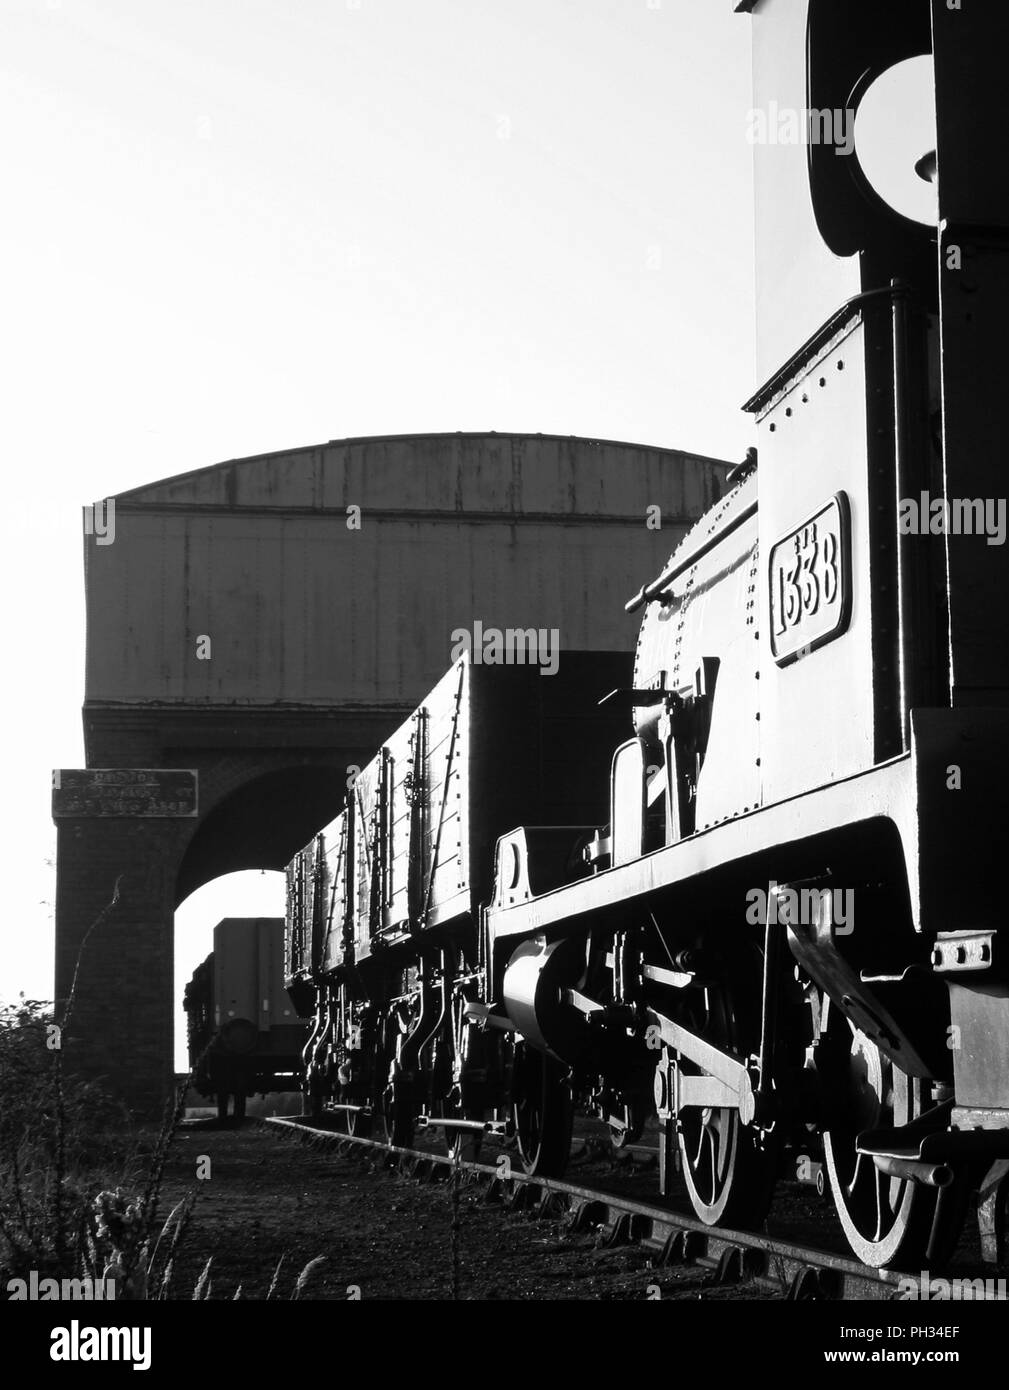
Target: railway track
x,y
782,1268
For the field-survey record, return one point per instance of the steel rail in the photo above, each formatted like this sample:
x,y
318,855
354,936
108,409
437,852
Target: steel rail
x,y
779,1266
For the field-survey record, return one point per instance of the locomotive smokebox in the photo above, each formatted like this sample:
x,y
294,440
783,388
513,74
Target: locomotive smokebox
x,y
535,982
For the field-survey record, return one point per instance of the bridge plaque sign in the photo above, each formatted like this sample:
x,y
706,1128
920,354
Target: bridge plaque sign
x,y
124,791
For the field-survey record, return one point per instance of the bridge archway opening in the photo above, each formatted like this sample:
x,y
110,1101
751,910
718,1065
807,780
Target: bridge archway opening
x,y
233,865
248,893
261,823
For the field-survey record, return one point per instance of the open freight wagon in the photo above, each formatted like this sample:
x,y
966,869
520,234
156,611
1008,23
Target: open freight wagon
x,y
401,874
245,1034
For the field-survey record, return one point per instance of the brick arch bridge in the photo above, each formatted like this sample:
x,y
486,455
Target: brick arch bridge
x,y
256,627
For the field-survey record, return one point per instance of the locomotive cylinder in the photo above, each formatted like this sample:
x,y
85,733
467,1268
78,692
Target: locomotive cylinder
x,y
533,987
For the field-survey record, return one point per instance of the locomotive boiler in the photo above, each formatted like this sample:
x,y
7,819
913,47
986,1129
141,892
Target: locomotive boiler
x,y
779,936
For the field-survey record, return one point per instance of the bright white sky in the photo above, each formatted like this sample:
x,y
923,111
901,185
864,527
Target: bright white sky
x,y
241,225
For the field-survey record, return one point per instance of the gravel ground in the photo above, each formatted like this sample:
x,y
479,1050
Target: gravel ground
x,y
269,1195
382,1236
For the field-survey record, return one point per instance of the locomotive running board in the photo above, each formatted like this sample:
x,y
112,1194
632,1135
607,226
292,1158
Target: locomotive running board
x,y
932,833
882,792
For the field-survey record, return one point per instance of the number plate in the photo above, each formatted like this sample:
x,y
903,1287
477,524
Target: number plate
x,y
810,574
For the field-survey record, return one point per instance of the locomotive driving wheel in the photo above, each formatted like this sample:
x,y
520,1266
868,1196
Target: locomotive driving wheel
x,y
542,1111
728,1167
886,1220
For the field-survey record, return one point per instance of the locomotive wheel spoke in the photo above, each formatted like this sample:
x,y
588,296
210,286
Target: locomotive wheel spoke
x,y
708,1130
879,1203
719,1124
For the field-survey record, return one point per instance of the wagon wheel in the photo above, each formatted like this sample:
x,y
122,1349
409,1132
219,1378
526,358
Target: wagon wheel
x,y
628,1107
395,1089
627,1122
358,1124
353,1122
462,1144
352,1088
453,1099
728,1166
542,1111
313,1095
887,1221
396,1118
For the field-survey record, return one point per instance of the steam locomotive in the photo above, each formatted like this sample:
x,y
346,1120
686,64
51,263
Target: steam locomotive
x,y
778,935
